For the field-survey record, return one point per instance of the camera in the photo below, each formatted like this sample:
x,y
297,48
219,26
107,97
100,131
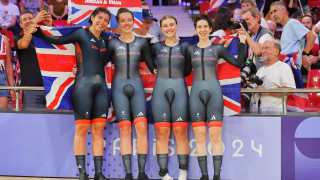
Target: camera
x,y
236,24
46,7
246,71
255,81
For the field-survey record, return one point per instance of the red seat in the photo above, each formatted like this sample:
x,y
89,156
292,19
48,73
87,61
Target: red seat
x,y
10,36
60,23
313,83
204,7
313,3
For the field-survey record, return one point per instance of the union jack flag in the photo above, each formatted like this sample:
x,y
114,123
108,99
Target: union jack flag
x,y
80,10
291,60
56,63
217,3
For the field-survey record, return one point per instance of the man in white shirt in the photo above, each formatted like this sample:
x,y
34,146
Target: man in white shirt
x,y
9,13
275,74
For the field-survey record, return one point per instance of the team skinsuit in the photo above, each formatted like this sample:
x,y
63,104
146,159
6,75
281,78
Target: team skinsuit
x,y
127,91
90,92
206,101
170,94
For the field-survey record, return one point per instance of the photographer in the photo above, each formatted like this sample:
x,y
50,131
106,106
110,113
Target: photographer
x,y
275,74
257,35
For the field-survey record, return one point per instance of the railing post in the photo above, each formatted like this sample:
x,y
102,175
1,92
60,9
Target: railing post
x,y
17,100
284,102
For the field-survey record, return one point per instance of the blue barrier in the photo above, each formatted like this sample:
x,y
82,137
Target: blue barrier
x,y
42,145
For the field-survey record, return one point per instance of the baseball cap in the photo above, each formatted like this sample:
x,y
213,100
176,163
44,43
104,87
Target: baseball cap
x,y
146,14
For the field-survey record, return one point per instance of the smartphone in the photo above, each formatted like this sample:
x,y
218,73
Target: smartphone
x,y
46,7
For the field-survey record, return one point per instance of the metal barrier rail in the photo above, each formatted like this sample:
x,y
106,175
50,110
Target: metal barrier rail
x,y
284,92
246,90
17,91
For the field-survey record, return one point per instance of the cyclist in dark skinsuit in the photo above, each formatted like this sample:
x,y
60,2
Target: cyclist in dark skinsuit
x,y
128,96
170,97
206,102
90,92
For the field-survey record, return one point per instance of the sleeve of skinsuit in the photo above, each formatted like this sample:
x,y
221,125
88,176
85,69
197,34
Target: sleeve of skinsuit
x,y
154,49
185,46
70,38
110,47
222,52
146,55
188,65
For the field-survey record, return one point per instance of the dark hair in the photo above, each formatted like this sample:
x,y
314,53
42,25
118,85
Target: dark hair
x,y
221,19
123,10
312,20
97,11
167,17
25,12
202,17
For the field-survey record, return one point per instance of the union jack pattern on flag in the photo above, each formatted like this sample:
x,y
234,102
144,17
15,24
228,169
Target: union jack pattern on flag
x,y
80,10
56,63
217,3
291,60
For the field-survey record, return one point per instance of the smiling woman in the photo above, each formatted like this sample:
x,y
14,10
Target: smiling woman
x,y
206,102
90,91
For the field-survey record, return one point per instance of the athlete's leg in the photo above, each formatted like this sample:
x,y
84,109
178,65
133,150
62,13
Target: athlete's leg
x,y
80,147
215,117
139,113
198,118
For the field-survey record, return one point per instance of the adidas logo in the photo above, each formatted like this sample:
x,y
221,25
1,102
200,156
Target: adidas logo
x,y
213,118
104,115
121,47
92,40
79,166
164,50
140,114
197,52
179,119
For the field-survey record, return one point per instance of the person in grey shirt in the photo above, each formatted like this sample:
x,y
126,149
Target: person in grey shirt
x,y
155,27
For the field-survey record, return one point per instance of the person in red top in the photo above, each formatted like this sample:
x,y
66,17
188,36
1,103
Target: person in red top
x,y
6,71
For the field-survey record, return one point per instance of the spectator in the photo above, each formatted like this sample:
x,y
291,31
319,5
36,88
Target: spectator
x,y
245,4
29,66
272,27
14,2
155,27
258,35
6,71
296,40
266,8
220,25
59,9
35,6
9,13
294,8
148,19
275,74
314,56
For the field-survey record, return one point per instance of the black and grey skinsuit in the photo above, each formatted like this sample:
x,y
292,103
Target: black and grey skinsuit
x,y
170,95
206,101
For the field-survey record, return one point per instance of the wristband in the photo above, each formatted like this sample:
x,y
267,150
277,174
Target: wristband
x,y
304,53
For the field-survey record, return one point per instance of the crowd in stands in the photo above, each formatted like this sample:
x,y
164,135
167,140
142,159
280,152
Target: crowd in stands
x,y
290,22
